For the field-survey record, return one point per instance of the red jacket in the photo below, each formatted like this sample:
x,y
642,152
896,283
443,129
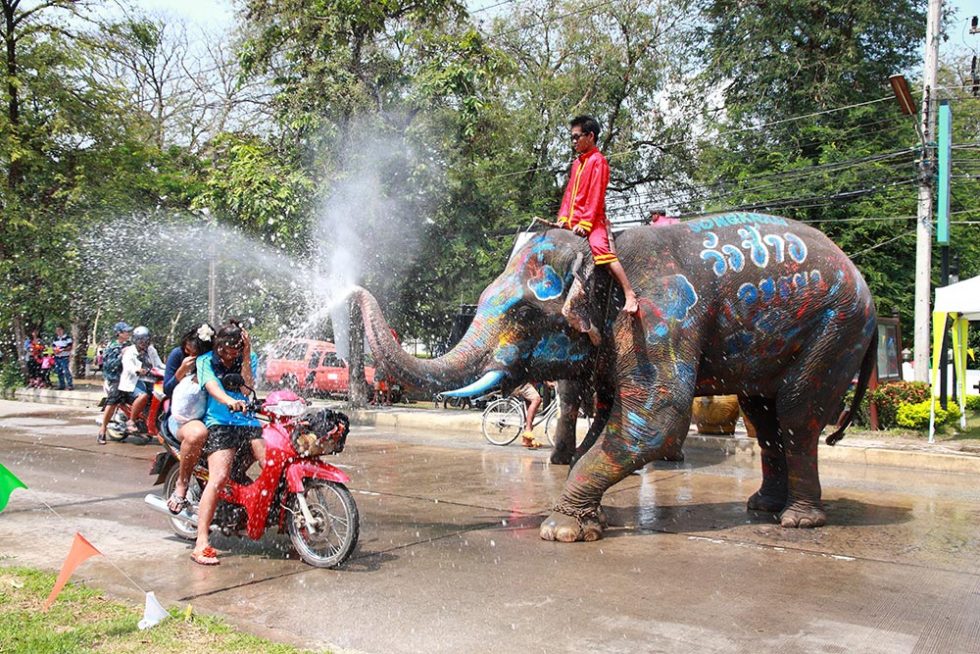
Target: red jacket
x,y
584,203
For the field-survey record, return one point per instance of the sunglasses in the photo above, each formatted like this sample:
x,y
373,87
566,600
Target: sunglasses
x,y
576,137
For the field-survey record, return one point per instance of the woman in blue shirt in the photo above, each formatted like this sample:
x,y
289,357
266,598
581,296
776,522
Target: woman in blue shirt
x,y
228,427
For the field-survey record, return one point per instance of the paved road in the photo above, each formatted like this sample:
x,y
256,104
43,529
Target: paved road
x,y
450,561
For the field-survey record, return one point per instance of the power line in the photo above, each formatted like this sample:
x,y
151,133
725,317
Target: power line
x,y
883,243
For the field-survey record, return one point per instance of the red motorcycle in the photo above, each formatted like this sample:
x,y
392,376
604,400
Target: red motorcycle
x,y
295,491
148,425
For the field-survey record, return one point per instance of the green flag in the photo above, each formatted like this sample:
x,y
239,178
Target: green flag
x,y
8,483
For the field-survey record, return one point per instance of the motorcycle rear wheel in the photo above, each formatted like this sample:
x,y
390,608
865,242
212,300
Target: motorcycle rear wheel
x,y
182,528
333,506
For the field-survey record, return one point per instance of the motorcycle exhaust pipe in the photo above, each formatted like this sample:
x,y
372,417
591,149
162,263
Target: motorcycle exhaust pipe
x,y
159,504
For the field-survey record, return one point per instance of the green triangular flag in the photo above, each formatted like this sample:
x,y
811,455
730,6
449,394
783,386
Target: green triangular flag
x,y
8,483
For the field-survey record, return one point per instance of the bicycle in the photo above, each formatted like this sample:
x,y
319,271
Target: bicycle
x,y
503,420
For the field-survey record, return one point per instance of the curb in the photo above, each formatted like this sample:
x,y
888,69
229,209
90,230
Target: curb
x,y
435,421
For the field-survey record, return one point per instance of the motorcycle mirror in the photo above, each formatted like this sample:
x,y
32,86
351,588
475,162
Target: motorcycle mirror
x,y
233,381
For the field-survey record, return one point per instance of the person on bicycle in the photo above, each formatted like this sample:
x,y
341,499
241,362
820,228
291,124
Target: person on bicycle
x,y
532,399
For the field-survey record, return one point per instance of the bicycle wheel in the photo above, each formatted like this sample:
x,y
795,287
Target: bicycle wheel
x,y
503,421
551,426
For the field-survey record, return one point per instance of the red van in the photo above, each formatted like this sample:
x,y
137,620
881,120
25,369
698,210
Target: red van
x,y
307,365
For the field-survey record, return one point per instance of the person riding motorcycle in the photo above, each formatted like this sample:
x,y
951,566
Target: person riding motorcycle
x,y
137,360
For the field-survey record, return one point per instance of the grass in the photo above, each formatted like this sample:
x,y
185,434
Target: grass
x,y
83,620
949,432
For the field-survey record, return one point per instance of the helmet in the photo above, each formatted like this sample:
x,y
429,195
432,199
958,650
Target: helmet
x,y
141,334
121,326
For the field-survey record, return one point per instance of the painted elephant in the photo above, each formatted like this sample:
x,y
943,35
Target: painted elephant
x,y
739,303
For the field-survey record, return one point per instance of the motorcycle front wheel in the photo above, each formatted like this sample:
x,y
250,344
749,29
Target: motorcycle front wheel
x,y
182,528
116,429
334,536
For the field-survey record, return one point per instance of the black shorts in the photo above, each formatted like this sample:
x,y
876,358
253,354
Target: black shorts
x,y
229,437
116,396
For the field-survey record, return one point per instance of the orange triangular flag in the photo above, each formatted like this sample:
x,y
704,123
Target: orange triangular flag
x,y
81,549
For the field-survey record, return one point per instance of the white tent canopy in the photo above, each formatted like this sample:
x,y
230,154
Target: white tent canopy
x,y
962,298
961,302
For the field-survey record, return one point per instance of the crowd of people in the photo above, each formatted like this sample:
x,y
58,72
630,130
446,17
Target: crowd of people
x,y
42,357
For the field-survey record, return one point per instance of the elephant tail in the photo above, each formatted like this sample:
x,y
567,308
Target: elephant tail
x,y
867,366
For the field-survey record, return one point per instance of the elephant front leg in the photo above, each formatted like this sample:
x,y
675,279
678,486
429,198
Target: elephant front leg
x,y
577,515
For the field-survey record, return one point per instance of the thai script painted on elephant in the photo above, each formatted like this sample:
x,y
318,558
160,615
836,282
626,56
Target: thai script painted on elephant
x,y
730,257
784,286
736,218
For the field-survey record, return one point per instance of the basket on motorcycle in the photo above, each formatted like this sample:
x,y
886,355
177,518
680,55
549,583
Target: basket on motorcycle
x,y
321,432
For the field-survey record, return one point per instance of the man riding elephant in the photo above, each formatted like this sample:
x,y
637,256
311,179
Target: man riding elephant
x,y
738,303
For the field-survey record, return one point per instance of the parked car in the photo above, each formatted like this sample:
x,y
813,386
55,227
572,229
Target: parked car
x,y
310,366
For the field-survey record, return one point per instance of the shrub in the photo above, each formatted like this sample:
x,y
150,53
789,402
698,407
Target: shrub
x,y
888,397
973,402
916,415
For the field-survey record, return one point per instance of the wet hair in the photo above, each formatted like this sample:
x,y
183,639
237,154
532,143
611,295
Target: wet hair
x,y
192,338
588,124
229,335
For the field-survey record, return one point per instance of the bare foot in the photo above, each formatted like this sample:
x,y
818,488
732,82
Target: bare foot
x,y
631,305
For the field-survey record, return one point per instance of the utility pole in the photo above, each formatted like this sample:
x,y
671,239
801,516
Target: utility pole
x,y
923,232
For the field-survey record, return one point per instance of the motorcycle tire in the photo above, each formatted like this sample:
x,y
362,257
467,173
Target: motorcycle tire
x,y
182,529
116,430
333,505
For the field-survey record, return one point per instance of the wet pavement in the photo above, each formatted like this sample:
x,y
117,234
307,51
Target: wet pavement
x,y
449,558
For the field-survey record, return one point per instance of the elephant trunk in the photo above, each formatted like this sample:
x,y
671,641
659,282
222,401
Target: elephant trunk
x,y
462,365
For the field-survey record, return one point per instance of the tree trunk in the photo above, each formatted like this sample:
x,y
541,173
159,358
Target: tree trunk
x,y
355,335
79,336
20,334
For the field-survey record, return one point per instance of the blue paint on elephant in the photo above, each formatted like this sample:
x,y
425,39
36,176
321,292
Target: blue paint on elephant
x,y
737,343
748,293
718,263
507,355
677,298
684,372
752,241
547,286
797,248
659,331
558,347
778,244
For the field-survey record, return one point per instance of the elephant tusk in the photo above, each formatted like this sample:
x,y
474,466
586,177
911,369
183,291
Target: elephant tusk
x,y
480,386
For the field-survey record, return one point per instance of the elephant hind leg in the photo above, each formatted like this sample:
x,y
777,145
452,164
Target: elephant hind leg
x,y
805,404
761,412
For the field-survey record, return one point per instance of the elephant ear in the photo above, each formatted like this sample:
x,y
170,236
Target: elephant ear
x,y
577,308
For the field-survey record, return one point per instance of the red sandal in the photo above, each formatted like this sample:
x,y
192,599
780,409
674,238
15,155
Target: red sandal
x,y
207,556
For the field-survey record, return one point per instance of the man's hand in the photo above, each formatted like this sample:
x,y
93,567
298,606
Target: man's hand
x,y
578,229
236,406
246,344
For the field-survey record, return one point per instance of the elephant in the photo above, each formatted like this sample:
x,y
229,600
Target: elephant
x,y
755,305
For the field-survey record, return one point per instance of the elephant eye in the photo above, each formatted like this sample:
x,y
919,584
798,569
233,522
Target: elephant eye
x,y
524,315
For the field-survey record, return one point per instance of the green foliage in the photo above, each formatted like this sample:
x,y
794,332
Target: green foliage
x,y
887,399
916,415
973,402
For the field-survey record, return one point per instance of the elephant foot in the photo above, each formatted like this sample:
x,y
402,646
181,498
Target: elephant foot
x,y
803,516
767,503
562,458
675,456
588,526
